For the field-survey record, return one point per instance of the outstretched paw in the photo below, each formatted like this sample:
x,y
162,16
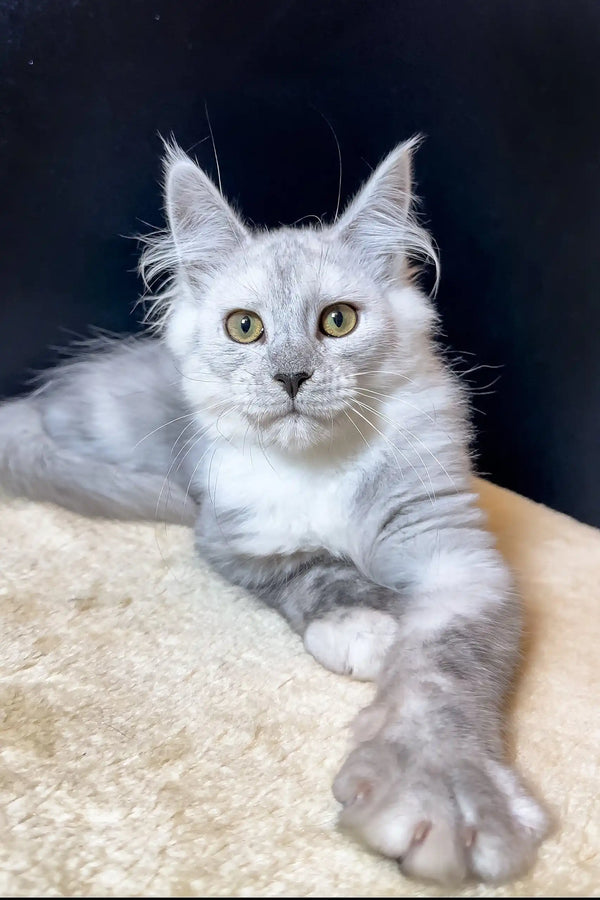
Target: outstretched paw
x,y
444,818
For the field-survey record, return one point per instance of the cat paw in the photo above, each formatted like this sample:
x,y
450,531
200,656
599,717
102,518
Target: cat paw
x,y
444,820
352,641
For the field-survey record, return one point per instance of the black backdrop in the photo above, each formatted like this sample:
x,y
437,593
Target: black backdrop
x,y
507,93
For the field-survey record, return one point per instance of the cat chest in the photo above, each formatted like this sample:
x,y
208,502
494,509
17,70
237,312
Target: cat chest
x,y
269,508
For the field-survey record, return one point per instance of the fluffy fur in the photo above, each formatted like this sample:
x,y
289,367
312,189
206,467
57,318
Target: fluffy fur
x,y
348,508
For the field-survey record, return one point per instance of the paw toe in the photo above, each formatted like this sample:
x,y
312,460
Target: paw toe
x,y
437,855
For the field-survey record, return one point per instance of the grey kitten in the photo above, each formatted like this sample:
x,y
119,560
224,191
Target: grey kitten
x,y
293,407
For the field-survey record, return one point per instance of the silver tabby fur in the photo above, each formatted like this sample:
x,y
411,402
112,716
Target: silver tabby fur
x,y
349,509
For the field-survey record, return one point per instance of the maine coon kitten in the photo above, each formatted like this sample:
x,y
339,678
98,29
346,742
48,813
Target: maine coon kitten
x,y
293,408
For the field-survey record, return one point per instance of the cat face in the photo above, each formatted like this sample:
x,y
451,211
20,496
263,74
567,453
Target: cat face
x,y
279,337
291,376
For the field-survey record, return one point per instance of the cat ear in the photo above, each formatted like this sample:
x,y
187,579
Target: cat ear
x,y
205,229
378,224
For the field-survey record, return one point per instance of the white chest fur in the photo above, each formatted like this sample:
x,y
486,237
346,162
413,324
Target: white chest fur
x,y
287,505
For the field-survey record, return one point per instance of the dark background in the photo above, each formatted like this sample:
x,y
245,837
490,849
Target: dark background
x,y
507,93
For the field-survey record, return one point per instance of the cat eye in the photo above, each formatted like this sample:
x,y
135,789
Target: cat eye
x,y
243,326
338,320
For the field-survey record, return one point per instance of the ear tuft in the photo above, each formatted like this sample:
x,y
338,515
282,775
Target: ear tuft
x,y
203,230
204,227
379,224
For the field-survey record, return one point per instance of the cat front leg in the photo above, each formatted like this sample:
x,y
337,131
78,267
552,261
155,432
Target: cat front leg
x,y
428,782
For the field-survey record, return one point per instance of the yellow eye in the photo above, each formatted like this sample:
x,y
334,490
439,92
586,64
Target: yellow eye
x,y
243,326
338,320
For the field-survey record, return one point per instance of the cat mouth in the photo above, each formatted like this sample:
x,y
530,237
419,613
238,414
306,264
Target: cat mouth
x,y
297,413
292,413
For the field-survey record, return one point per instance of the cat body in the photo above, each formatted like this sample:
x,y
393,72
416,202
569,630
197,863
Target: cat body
x,y
294,408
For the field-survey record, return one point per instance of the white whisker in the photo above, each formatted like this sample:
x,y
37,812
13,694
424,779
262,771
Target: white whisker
x,y
396,397
179,459
213,442
402,454
214,146
407,431
352,422
170,422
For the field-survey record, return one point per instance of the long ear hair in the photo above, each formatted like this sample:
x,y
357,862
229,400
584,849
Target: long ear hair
x,y
379,223
203,230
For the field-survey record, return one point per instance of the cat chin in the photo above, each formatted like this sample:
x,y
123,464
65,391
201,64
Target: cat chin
x,y
296,432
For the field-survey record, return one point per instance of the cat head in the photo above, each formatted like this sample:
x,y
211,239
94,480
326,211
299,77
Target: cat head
x,y
279,336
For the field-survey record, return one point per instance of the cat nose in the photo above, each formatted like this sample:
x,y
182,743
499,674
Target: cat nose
x,y
292,383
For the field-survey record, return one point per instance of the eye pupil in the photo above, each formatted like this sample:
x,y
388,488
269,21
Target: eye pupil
x,y
244,327
338,320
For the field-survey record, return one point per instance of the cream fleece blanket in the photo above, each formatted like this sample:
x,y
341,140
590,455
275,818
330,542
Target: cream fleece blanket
x,y
162,734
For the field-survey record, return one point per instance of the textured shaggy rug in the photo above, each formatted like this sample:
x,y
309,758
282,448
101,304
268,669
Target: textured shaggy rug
x,y
162,734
